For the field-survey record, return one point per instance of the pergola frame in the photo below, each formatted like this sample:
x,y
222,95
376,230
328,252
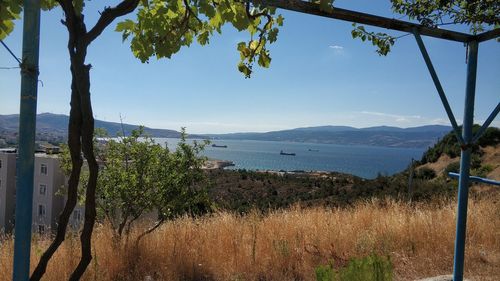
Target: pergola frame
x,y
27,123
465,137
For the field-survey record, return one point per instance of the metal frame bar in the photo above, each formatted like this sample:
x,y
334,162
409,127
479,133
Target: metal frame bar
x,y
463,185
27,128
476,179
439,88
486,124
488,35
363,18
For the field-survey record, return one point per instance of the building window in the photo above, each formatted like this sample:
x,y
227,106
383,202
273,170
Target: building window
x,y
41,210
43,189
41,229
43,169
0,164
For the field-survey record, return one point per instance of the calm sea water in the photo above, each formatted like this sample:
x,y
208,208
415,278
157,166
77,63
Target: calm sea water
x,y
363,161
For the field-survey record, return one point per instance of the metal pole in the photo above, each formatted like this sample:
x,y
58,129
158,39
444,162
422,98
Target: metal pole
x,y
439,88
27,126
463,187
487,123
476,179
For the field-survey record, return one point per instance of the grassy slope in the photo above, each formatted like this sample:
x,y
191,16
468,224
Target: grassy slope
x,y
289,244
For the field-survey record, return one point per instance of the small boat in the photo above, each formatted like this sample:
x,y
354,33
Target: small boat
x,y
287,153
221,146
313,150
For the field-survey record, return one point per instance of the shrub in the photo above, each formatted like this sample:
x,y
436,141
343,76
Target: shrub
x,y
425,173
325,273
452,167
370,268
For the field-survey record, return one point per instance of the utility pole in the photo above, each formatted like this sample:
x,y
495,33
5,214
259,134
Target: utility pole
x,y
26,151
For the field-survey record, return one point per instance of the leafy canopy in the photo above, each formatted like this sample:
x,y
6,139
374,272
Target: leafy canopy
x,y
139,176
477,14
162,27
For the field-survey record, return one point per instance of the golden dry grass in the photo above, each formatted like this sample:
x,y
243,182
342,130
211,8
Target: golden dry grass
x,y
289,244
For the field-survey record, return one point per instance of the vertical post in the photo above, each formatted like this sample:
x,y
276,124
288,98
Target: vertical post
x,y
463,187
26,151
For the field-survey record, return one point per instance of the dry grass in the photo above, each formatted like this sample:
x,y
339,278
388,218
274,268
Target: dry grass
x,y
289,244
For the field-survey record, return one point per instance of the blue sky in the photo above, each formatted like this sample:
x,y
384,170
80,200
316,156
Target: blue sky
x,y
319,75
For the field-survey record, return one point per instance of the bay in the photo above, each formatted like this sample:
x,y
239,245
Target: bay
x,y
362,161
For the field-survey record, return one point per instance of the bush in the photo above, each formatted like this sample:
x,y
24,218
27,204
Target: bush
x,y
482,171
453,167
325,273
370,268
425,173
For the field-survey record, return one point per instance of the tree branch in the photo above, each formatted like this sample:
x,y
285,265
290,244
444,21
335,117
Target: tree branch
x,y
108,16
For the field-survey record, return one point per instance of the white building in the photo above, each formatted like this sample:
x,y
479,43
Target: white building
x,y
48,192
7,188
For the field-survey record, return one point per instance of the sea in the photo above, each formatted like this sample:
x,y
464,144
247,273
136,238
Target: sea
x,y
359,160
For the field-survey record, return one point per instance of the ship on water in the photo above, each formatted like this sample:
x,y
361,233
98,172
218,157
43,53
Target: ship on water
x,y
220,146
287,153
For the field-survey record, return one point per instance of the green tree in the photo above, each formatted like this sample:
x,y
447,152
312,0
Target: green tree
x,y
139,176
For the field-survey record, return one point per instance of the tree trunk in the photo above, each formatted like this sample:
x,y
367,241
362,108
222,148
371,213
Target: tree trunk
x,y
82,72
74,144
80,138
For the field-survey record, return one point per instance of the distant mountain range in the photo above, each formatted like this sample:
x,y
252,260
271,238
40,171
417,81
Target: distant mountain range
x,y
417,137
53,127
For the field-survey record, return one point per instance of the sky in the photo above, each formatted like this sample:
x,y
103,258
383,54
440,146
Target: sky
x,y
318,76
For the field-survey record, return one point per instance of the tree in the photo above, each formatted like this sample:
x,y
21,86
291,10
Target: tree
x,y
160,29
138,176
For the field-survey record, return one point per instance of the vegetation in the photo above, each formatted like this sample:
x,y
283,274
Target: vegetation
x,y
290,244
139,177
449,145
160,29
369,268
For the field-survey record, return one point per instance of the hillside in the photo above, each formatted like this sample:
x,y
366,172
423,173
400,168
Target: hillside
x,y
54,128
444,157
418,137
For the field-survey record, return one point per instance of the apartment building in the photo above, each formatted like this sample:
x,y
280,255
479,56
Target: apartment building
x,y
48,192
7,189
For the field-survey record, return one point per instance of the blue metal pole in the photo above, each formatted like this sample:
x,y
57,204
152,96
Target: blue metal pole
x,y
439,88
463,187
476,179
487,123
27,126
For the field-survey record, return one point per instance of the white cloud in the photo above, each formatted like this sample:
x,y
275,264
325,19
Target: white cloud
x,y
336,47
399,118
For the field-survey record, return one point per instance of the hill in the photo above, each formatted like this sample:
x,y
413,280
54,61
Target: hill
x,y
444,157
54,128
417,137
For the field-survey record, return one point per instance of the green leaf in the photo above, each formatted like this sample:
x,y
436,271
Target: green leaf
x,y
273,35
264,59
126,25
203,38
